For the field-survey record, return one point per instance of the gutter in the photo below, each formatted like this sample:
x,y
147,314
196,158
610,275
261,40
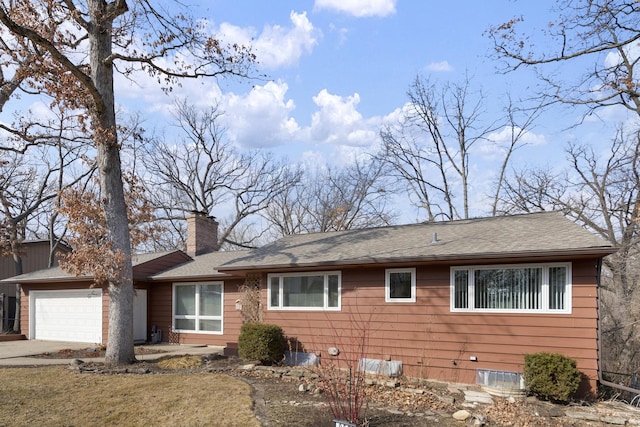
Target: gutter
x,y
371,260
600,379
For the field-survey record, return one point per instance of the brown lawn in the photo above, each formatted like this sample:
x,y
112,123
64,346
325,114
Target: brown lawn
x,y
57,396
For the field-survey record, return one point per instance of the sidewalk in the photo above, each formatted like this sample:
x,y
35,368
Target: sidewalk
x,y
23,353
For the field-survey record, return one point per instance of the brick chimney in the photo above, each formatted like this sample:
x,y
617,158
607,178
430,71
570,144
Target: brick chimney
x,y
202,234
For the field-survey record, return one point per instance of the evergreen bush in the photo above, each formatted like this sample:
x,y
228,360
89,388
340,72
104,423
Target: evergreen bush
x,y
262,342
551,376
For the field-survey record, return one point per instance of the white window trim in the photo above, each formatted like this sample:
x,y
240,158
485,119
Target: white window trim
x,y
197,317
325,307
545,288
387,284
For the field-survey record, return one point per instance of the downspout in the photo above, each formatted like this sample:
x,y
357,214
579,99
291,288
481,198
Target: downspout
x,y
600,379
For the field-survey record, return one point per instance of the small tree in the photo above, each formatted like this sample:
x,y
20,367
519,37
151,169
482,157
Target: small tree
x,y
341,377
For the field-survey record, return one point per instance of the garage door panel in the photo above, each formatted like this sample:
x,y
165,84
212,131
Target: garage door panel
x,y
74,316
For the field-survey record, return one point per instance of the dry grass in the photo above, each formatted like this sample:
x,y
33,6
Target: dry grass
x,y
56,396
180,362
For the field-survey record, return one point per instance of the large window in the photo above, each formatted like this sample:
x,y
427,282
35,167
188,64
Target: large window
x,y
520,288
400,285
311,291
197,307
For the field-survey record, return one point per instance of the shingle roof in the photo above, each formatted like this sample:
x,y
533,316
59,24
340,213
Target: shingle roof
x,y
58,274
202,266
540,234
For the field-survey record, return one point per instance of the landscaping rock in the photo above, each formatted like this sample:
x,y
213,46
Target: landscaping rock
x,y
618,421
461,415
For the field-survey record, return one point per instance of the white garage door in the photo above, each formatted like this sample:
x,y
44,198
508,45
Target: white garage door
x,y
69,315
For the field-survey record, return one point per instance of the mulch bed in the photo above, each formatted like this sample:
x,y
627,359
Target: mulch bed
x,y
90,352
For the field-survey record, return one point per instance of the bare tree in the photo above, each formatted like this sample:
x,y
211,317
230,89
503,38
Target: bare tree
x,y
430,149
603,193
352,197
604,32
76,48
519,123
30,183
200,171
600,192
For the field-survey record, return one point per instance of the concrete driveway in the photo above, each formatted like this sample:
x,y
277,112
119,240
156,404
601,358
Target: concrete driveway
x,y
26,348
20,353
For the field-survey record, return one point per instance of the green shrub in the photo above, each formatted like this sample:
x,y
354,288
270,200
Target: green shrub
x,y
262,342
551,376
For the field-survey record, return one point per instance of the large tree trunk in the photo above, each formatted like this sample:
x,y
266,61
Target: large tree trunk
x,y
120,337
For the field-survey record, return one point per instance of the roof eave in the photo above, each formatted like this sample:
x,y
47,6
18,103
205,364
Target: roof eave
x,y
595,252
193,277
51,280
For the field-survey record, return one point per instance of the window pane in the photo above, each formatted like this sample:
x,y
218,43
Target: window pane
x,y
305,291
275,291
210,325
210,300
333,291
186,324
185,300
400,284
512,288
557,287
461,289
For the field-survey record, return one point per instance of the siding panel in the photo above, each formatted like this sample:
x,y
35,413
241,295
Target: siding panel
x,y
427,337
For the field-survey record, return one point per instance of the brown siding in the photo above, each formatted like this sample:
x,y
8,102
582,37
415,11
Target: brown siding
x,y
160,311
428,338
35,257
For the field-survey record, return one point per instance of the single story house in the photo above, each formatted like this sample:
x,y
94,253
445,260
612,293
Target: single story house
x,y
446,301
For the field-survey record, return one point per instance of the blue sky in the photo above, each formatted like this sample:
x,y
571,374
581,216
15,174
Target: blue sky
x,y
338,70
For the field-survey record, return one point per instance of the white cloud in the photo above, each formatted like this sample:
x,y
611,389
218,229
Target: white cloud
x,y
339,122
442,66
260,118
342,33
276,46
359,8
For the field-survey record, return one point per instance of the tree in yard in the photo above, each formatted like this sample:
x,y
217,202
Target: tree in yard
x,y
200,171
75,47
599,190
89,235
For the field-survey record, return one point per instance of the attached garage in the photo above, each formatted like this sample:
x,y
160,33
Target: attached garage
x,y
66,315
58,306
